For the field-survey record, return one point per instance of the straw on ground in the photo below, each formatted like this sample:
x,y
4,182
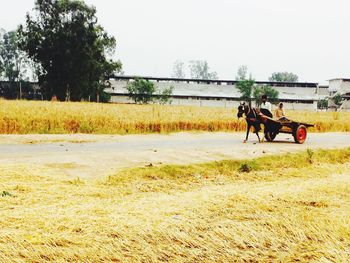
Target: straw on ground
x,y
282,208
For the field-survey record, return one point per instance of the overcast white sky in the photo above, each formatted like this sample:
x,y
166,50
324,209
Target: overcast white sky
x,y
308,37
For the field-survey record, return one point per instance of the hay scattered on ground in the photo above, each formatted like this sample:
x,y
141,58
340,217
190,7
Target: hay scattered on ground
x,y
283,208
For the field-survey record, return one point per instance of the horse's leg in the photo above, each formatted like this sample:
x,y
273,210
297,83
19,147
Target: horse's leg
x,y
257,128
265,130
262,140
248,129
257,134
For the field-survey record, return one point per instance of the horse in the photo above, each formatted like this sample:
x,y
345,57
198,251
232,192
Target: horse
x,y
252,119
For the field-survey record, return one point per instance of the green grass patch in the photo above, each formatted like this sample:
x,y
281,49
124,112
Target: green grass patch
x,y
6,194
267,167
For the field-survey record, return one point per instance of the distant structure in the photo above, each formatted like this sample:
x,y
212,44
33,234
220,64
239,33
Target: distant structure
x,y
340,86
23,90
222,93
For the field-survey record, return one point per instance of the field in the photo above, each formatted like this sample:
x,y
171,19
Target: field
x,y
179,197
292,207
26,117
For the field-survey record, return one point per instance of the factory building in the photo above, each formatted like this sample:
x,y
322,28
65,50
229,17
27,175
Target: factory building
x,y
222,93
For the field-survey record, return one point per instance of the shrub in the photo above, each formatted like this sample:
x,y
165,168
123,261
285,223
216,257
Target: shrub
x,y
247,167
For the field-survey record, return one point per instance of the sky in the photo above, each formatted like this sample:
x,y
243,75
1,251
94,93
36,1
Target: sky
x,y
308,37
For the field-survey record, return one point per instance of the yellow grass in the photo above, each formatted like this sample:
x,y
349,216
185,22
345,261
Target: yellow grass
x,y
286,208
24,117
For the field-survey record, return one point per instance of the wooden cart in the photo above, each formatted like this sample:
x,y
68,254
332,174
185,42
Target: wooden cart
x,y
274,127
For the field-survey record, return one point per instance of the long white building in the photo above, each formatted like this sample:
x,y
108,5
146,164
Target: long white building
x,y
221,93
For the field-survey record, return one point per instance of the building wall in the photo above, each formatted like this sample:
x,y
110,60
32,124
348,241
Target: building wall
x,y
323,91
219,103
345,106
334,84
213,95
340,85
345,87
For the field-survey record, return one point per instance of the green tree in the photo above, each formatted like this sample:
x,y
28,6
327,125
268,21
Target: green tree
x,y
73,50
144,91
338,100
13,61
322,104
284,77
270,92
199,69
246,88
141,91
165,96
244,85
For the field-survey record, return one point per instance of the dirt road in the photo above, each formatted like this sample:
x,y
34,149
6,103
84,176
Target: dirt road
x,y
94,156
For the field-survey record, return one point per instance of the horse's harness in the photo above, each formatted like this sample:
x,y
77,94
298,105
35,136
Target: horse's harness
x,y
253,118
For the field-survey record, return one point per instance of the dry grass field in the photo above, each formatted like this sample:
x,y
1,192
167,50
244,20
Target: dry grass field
x,y
288,208
25,117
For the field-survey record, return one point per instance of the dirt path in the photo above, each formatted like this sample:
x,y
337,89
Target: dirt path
x,y
93,156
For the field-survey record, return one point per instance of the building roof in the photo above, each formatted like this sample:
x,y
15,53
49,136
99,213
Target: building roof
x,y
343,79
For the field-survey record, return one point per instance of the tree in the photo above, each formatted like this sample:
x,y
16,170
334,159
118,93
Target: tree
x,y
199,69
270,92
242,73
250,91
165,96
178,70
244,85
144,91
1,63
284,77
246,88
141,91
322,104
13,61
337,99
73,50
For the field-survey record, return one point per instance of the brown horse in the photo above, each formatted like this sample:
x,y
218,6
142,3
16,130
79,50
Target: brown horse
x,y
252,118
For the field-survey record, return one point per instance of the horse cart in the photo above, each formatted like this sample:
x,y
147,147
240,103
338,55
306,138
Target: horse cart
x,y
274,127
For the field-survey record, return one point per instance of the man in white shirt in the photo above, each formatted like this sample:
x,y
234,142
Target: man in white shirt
x,y
265,107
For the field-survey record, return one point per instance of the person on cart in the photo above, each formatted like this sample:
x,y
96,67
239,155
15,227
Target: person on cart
x,y
280,113
266,107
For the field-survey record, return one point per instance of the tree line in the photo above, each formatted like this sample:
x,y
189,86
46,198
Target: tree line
x,y
200,69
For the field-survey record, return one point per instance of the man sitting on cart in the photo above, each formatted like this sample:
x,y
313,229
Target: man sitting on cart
x,y
280,113
265,107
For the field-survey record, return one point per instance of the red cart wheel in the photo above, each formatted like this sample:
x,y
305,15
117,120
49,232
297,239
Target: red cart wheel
x,y
300,134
